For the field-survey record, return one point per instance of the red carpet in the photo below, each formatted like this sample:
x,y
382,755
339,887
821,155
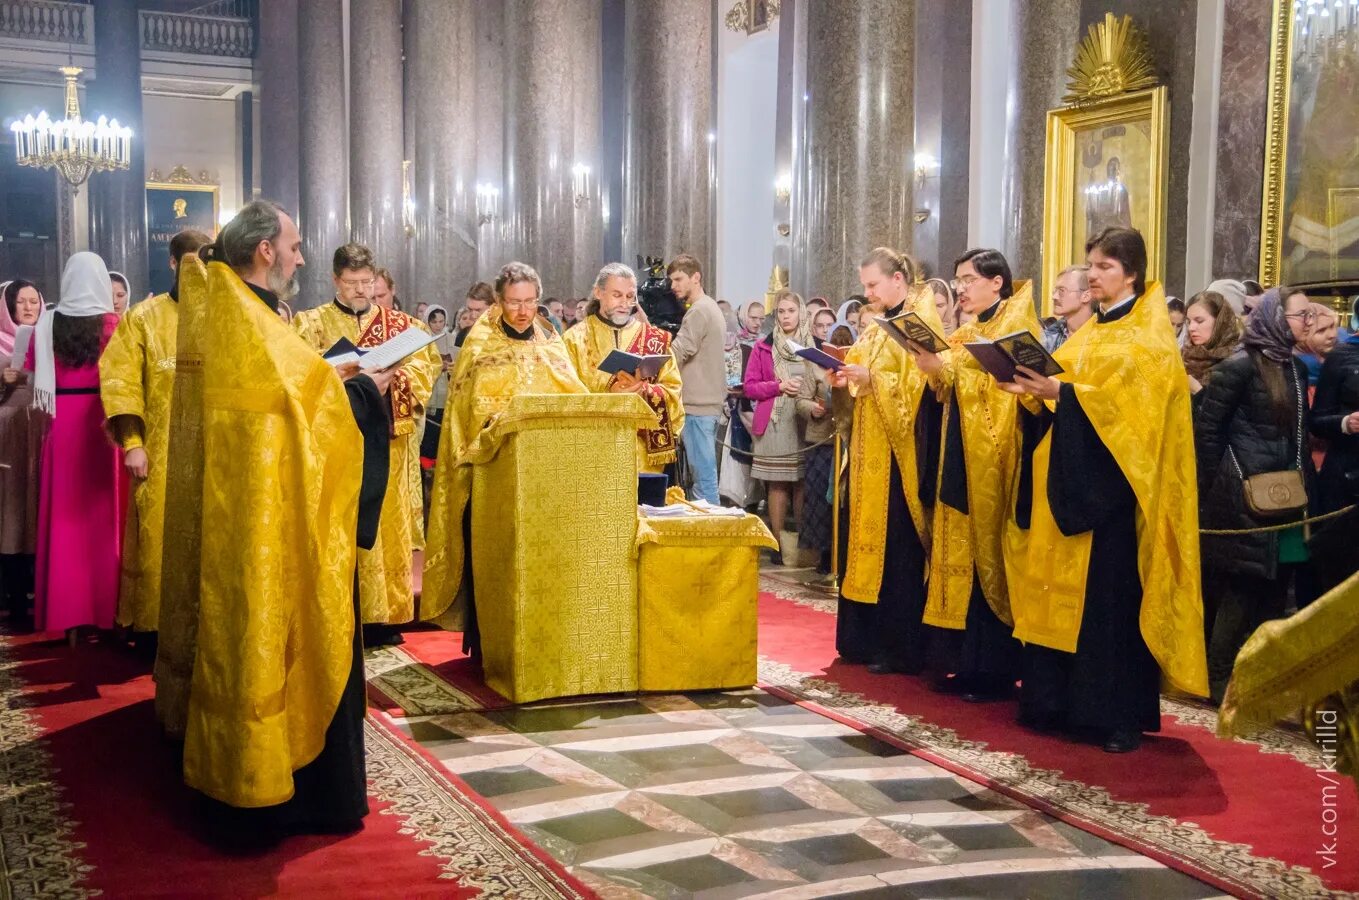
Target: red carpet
x,y
1233,790
131,827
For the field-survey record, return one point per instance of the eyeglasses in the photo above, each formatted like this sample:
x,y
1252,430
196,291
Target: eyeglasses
x,y
360,285
1063,291
960,284
520,304
1306,315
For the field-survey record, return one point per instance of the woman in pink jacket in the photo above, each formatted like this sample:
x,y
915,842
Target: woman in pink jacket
x,y
774,381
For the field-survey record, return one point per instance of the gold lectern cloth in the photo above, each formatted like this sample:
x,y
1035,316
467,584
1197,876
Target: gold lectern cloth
x,y
698,586
554,578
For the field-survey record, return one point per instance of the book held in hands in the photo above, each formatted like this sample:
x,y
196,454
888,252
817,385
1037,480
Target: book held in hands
x,y
384,355
907,328
827,356
645,367
1003,355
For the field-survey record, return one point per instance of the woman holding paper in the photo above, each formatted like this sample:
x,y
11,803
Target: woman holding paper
x,y
775,379
22,429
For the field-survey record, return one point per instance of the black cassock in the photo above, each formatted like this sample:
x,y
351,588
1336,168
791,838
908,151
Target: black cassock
x,y
330,793
1111,683
890,632
984,655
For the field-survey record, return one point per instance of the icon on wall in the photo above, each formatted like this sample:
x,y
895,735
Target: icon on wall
x,y
171,207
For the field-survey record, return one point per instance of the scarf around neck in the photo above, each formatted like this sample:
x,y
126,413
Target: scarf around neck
x,y
85,291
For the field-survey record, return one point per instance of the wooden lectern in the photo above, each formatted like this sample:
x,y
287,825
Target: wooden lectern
x,y
554,519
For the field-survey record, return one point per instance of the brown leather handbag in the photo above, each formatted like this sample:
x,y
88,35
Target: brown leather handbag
x,y
1276,495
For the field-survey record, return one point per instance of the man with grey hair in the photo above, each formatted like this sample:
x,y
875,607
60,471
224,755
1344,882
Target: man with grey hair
x,y
1071,306
615,326
278,473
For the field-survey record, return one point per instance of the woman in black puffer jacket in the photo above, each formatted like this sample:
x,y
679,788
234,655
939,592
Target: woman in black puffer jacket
x,y
1251,419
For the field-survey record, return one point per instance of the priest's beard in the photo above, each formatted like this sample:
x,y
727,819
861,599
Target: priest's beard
x,y
619,319
283,288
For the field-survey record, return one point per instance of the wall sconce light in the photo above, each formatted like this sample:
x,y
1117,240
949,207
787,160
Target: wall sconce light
x,y
925,167
580,184
407,201
488,203
783,188
920,216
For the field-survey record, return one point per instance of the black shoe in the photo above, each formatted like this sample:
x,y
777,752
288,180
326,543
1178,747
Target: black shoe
x,y
889,669
1123,742
1043,723
948,684
776,559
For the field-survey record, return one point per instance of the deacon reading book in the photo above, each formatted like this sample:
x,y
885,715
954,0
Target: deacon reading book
x,y
384,355
1003,355
907,328
827,356
643,367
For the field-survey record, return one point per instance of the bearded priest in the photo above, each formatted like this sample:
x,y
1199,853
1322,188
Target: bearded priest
x,y
386,587
616,326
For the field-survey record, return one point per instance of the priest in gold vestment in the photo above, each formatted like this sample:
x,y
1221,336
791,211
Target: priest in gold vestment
x,y
978,460
892,459
1102,554
386,583
290,479
508,352
136,381
616,327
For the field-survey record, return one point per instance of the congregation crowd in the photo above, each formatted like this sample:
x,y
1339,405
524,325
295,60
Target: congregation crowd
x,y
1047,535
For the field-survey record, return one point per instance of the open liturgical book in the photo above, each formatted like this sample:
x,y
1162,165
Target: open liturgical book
x,y
645,367
384,355
827,356
907,328
1003,355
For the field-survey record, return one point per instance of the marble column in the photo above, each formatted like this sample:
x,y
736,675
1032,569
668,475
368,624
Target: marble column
x,y
323,186
1045,36
376,145
853,191
118,199
440,99
668,161
943,109
554,217
1241,120
278,72
1171,27
489,114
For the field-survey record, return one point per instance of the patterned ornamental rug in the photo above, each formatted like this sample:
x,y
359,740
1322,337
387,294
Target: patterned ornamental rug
x,y
91,803
1265,816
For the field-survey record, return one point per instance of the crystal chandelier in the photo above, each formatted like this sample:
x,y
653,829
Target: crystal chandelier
x,y
74,147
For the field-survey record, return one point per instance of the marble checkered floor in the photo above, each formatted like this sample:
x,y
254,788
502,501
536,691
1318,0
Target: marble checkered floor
x,y
741,794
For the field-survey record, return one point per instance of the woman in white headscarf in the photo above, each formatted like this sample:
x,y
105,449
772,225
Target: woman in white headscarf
x,y
21,435
82,495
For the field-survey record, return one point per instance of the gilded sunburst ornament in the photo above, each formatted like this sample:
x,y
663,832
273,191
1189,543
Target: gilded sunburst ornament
x,y
751,16
1113,59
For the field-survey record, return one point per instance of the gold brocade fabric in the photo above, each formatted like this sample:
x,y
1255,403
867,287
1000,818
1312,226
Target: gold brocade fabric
x,y
884,427
1302,662
282,465
589,343
137,380
386,572
962,541
1130,385
698,583
177,643
491,370
553,559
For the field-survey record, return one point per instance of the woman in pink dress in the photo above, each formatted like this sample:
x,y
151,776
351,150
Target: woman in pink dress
x,y
79,532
